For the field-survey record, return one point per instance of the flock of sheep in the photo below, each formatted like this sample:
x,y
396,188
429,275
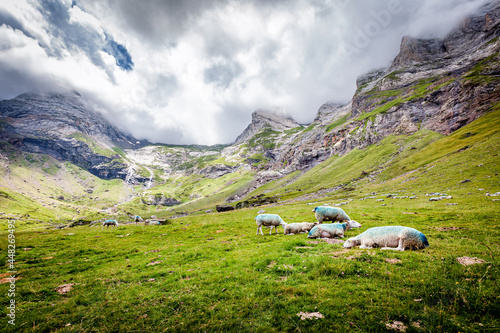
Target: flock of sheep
x,y
387,238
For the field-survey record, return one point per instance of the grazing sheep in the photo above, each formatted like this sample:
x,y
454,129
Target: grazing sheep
x,y
389,238
107,223
270,221
137,219
330,214
297,228
332,230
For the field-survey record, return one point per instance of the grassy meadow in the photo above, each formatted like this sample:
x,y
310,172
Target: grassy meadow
x,y
213,273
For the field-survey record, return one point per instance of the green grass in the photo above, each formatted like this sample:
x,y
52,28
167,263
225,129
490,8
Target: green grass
x,y
394,75
336,124
212,273
207,193
309,128
264,138
96,148
480,73
37,182
294,130
419,90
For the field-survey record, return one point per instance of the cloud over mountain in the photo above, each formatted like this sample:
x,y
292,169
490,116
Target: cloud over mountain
x,y
194,71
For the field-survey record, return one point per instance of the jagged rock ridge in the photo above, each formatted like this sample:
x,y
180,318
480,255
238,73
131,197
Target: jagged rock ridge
x,y
273,119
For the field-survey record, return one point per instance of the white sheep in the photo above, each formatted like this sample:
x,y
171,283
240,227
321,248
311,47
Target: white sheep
x,y
107,223
137,219
270,221
330,214
389,238
332,230
297,228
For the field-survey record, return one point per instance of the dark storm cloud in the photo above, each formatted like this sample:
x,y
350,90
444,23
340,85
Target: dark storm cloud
x,y
14,81
157,21
120,53
76,36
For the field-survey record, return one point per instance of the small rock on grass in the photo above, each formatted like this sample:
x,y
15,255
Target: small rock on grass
x,y
64,288
8,280
154,263
466,261
310,315
397,326
333,240
393,261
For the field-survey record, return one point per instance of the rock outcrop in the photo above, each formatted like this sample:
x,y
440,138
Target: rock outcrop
x,y
58,116
413,51
159,199
217,170
275,120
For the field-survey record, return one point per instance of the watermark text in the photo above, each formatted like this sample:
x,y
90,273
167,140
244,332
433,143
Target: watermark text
x,y
11,259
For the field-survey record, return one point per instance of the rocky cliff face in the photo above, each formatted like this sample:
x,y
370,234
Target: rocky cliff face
x,y
440,85
59,115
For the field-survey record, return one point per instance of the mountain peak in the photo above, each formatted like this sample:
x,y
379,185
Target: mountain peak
x,y
414,50
276,119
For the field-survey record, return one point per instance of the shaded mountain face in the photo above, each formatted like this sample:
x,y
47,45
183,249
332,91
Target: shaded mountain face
x,y
440,85
59,115
63,126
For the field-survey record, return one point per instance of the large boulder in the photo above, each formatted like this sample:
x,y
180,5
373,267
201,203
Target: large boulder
x,y
159,199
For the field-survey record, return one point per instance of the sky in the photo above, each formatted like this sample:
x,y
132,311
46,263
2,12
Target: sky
x,y
193,71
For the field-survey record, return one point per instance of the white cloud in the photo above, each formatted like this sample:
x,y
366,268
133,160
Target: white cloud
x,y
201,68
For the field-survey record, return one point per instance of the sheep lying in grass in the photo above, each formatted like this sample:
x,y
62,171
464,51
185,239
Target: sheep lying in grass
x,y
332,230
297,228
389,238
330,214
270,221
107,223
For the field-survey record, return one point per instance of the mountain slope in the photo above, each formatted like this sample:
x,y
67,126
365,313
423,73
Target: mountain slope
x,y
272,121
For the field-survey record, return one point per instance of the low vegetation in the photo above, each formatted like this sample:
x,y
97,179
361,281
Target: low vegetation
x,y
96,148
396,97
